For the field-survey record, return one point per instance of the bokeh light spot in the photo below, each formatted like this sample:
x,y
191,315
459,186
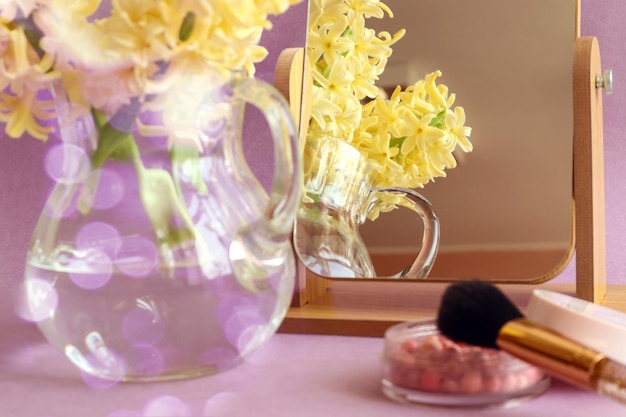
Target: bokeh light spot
x,y
224,404
110,190
100,367
166,405
104,359
91,272
145,361
137,257
96,383
241,327
101,236
231,304
40,300
219,358
142,327
61,204
67,163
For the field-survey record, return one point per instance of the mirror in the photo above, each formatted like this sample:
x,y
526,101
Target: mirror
x,y
505,211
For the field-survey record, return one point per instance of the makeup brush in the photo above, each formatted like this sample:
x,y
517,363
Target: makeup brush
x,y
478,313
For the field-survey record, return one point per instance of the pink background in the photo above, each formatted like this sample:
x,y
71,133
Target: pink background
x,y
293,375
605,20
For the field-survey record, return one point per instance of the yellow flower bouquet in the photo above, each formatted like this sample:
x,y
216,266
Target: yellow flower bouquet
x,y
407,138
105,62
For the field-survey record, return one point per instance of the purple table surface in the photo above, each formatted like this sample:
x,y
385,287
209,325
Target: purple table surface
x,y
292,375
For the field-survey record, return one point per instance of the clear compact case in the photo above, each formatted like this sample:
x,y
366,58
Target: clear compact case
x,y
422,366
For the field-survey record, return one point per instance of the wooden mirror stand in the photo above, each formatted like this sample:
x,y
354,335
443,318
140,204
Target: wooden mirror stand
x,y
369,307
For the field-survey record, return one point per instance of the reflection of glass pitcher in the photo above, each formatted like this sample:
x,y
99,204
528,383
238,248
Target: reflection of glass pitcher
x,y
158,255
338,198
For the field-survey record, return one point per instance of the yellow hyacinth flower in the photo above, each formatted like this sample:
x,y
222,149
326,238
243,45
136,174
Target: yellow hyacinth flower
x,y
106,61
408,138
22,75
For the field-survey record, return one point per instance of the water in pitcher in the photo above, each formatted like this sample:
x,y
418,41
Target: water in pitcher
x,y
162,325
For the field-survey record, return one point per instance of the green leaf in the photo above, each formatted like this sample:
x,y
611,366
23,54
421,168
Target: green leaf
x,y
186,28
314,197
326,72
439,120
176,236
396,142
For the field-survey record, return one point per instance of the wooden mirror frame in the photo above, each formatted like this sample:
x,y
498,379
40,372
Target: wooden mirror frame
x,y
368,307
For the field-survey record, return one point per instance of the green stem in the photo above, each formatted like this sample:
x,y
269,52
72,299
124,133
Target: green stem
x,y
157,191
112,143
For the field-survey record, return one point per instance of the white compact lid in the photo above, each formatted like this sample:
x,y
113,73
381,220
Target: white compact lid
x,y
592,325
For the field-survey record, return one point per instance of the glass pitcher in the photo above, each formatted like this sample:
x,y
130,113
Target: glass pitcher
x,y
338,198
158,255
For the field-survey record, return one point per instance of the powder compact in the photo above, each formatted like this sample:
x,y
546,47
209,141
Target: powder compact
x,y
592,325
421,366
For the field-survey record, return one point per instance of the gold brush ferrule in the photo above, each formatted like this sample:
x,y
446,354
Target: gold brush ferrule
x,y
552,352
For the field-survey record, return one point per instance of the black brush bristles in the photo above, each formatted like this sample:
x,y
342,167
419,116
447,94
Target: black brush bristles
x,y
473,312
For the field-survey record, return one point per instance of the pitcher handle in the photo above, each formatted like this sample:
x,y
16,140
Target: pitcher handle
x,y
286,184
423,262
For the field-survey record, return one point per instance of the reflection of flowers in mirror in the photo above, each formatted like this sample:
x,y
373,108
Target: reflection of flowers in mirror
x,y
409,137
